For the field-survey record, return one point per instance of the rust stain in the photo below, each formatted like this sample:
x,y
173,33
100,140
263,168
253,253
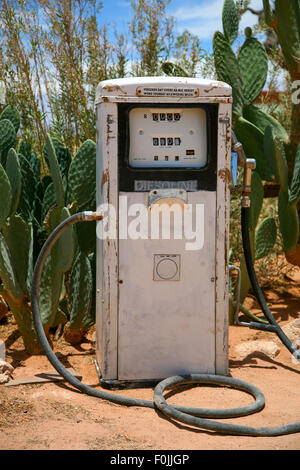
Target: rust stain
x,y
225,175
113,88
105,177
207,90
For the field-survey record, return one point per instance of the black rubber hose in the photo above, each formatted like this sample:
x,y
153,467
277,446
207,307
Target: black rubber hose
x,y
257,289
191,416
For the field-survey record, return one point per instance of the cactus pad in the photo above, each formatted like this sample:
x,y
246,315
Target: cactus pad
x,y
12,114
26,204
13,172
62,153
7,272
55,172
269,153
173,70
265,237
228,71
281,165
253,64
81,285
49,200
288,222
17,239
86,232
253,143
263,120
295,184
49,293
63,251
82,174
7,138
5,196
230,20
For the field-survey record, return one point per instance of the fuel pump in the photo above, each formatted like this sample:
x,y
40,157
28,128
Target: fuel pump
x,y
162,302
164,146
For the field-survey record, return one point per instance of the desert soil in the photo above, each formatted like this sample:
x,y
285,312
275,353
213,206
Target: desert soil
x,y
55,416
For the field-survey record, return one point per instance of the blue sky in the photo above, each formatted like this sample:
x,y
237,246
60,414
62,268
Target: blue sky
x,y
200,17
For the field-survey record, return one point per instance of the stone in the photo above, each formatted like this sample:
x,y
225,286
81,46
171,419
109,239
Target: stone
x,y
5,366
269,348
4,378
292,330
5,371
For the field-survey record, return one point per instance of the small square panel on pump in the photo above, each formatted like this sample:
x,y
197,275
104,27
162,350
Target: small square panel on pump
x,y
166,268
160,138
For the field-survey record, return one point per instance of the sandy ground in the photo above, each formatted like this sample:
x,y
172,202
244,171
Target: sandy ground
x,y
55,416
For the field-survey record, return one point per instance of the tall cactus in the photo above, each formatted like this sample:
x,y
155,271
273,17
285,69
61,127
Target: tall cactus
x,y
262,136
284,19
73,187
31,207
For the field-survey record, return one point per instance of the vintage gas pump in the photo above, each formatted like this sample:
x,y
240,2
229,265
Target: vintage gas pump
x,y
162,302
163,177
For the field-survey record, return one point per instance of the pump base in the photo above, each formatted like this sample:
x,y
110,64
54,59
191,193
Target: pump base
x,y
124,384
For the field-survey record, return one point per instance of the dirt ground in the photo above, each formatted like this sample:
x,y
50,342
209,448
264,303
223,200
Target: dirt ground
x,y
55,416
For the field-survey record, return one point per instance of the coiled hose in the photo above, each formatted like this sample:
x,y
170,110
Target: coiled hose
x,y
192,416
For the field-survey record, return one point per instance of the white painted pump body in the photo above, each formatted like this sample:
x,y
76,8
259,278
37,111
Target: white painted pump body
x,y
162,309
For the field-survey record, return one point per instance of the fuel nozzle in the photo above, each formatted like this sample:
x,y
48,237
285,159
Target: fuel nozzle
x,y
249,164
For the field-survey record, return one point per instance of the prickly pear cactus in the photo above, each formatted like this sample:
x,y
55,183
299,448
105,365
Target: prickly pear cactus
x,y
13,172
228,70
81,284
253,65
74,248
30,208
82,174
173,69
230,20
5,196
12,114
265,237
7,139
262,136
294,194
55,172
62,153
247,74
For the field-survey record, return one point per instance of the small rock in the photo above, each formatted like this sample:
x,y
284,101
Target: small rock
x,y
292,330
5,367
5,371
269,348
4,378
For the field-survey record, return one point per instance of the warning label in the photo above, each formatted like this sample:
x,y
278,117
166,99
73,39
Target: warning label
x,y
167,91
